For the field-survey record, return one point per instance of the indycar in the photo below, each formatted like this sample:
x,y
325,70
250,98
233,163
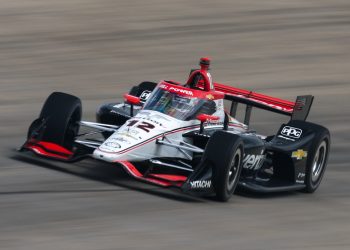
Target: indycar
x,y
180,135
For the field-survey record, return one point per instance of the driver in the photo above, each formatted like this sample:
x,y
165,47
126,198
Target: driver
x,y
201,79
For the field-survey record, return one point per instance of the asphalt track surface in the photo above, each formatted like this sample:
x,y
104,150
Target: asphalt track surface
x,y
98,49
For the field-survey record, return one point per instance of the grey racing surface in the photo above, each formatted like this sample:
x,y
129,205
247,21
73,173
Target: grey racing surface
x,y
98,49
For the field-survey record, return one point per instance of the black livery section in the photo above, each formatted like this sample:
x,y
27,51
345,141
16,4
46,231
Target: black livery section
x,y
275,164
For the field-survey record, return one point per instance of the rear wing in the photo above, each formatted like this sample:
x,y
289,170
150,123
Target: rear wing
x,y
298,110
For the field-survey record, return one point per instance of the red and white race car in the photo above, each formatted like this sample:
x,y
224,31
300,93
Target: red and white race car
x,y
179,135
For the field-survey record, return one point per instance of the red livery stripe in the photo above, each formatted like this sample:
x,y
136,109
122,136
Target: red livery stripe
x,y
132,170
54,147
170,177
49,149
260,98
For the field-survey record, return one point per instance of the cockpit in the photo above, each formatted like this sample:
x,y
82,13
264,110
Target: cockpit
x,y
179,102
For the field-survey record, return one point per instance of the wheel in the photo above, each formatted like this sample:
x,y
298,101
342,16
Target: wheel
x,y
114,114
34,128
61,114
143,90
317,161
225,152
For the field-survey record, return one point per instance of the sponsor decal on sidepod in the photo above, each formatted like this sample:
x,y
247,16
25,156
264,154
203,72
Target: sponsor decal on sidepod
x,y
291,132
299,154
253,162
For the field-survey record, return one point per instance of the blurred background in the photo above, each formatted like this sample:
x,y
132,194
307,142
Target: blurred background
x,y
98,49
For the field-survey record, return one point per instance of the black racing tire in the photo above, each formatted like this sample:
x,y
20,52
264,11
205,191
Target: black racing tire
x,y
61,114
225,152
33,128
121,115
317,160
141,88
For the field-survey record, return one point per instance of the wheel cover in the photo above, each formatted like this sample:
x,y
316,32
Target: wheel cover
x,y
234,169
319,161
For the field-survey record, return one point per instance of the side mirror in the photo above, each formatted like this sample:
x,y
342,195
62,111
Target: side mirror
x,y
132,100
204,118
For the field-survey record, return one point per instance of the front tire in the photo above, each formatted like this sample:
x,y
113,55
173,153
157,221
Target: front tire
x,y
225,152
60,117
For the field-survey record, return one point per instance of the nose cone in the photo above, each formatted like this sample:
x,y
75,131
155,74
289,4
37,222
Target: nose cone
x,y
137,133
113,156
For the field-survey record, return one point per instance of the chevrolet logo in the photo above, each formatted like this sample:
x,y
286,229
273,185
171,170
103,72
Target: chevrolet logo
x,y
299,154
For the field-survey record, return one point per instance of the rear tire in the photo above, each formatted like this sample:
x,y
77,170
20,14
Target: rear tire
x,y
317,161
225,152
143,90
61,114
108,114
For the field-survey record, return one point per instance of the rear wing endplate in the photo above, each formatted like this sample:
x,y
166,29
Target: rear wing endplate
x,y
302,107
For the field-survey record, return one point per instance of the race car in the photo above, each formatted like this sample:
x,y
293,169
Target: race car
x,y
180,135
